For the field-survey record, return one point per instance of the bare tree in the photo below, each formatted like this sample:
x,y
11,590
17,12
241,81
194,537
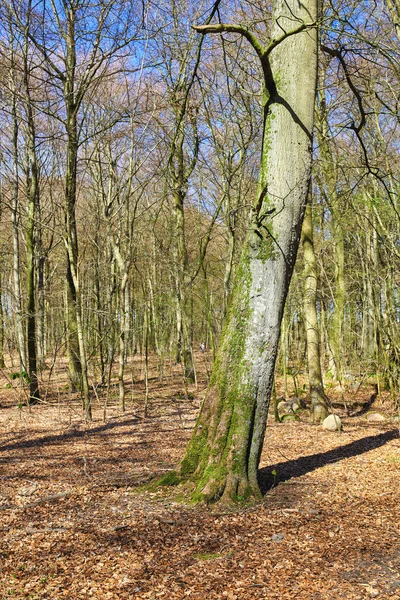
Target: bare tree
x,y
223,454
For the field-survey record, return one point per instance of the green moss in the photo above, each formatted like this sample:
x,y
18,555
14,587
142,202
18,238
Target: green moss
x,y
286,418
194,452
171,478
207,555
214,472
233,408
266,248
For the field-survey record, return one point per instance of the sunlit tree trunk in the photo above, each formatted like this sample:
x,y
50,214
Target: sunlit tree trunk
x,y
328,183
32,172
223,454
184,350
317,394
2,362
15,218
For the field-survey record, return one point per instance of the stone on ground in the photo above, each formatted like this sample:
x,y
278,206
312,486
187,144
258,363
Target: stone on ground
x,y
332,423
375,417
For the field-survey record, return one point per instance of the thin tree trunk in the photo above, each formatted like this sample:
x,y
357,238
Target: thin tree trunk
x,y
318,398
2,362
123,317
328,168
336,334
146,359
184,353
99,312
33,203
15,228
41,336
284,355
394,11
77,363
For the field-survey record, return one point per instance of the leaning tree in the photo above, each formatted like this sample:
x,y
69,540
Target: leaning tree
x,y
223,454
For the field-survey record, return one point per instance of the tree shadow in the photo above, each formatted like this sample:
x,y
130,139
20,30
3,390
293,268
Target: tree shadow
x,y
366,406
73,433
306,464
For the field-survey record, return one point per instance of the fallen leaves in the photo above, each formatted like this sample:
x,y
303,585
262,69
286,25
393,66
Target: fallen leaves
x,y
74,524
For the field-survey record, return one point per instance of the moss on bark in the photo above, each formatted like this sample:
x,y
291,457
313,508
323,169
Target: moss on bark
x,y
216,458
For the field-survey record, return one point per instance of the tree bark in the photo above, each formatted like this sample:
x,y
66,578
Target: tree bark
x,y
15,224
77,363
223,454
184,350
2,361
319,402
32,171
329,171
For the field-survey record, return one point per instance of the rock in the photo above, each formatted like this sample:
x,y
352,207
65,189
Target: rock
x,y
290,406
332,423
285,407
277,537
355,386
375,417
299,401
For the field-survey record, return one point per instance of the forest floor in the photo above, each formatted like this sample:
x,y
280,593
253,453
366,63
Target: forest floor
x,y
74,524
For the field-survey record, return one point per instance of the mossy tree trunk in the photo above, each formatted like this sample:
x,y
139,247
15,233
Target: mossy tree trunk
x,y
223,454
319,401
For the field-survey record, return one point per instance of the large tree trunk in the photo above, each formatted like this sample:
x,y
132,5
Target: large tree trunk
x,y
318,398
224,452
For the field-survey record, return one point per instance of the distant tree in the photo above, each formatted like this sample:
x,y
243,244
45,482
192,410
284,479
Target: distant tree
x,y
319,401
80,43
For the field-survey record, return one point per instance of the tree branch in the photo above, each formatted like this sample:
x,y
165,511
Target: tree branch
x,y
232,28
287,34
339,55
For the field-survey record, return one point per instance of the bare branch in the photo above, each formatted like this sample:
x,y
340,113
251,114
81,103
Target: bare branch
x,y
339,55
287,34
232,28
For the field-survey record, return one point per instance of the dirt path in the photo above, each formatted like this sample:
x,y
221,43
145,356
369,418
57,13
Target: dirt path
x,y
73,525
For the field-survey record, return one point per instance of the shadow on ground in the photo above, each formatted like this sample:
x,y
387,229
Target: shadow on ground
x,y
307,464
73,433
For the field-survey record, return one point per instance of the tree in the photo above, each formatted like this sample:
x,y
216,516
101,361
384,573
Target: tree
x,y
317,394
80,43
32,184
223,454
15,206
